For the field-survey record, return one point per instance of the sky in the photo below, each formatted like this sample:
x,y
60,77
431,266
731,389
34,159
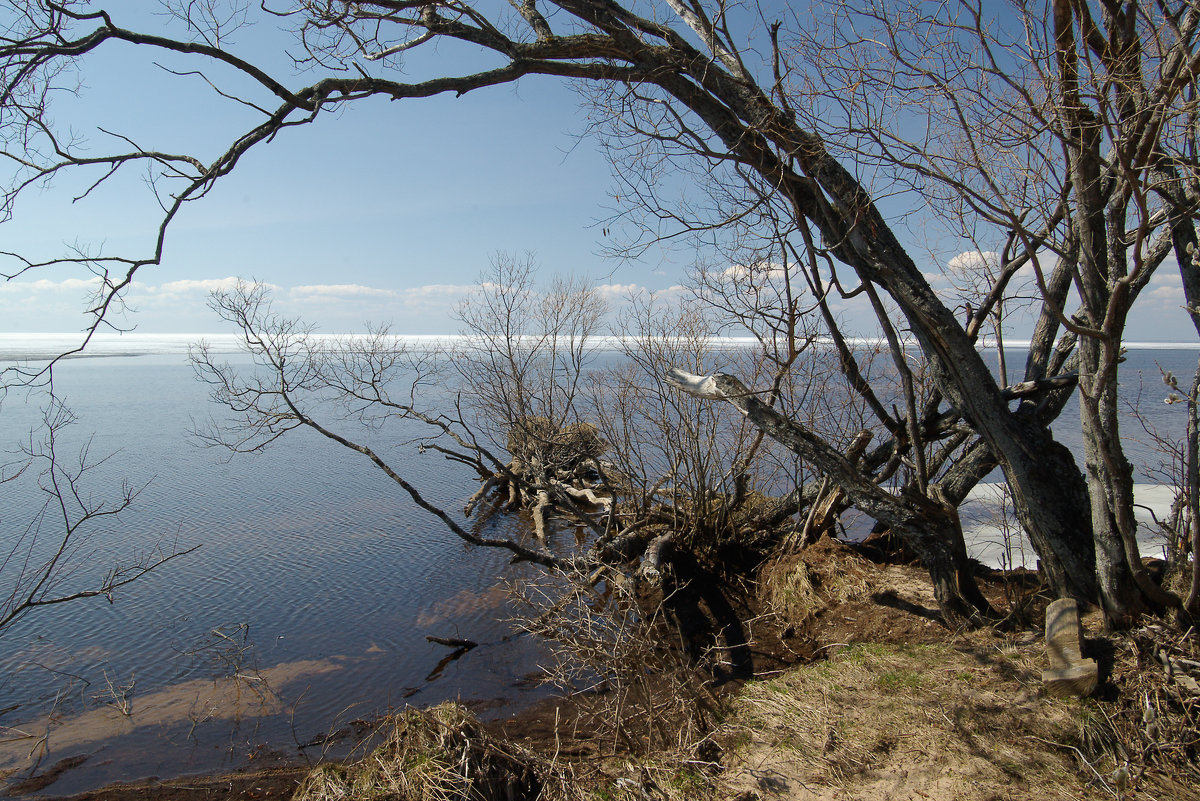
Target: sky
x,y
382,213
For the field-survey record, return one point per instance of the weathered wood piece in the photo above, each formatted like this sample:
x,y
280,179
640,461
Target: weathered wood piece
x,y
452,642
540,512
1069,672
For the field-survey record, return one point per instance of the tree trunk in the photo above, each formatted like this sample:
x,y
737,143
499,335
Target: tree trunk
x,y
1109,478
928,525
1039,470
1051,501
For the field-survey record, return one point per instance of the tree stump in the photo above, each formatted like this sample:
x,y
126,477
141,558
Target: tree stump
x,y
1069,673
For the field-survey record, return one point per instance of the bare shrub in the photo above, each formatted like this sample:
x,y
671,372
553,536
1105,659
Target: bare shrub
x,y
619,660
1157,715
673,456
438,754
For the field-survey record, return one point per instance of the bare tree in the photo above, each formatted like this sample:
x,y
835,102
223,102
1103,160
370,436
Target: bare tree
x,y
302,381
1064,136
52,558
1057,137
521,369
518,400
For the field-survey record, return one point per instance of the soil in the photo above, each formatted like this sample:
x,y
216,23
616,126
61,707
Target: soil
x,y
248,786
858,692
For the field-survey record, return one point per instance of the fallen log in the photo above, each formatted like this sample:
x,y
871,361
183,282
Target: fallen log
x,y
585,494
480,494
656,551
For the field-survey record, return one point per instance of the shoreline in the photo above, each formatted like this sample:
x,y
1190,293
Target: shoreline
x,y
867,659
81,740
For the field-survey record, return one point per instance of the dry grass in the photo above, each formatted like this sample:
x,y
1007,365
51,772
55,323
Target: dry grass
x,y
666,777
824,575
893,721
438,754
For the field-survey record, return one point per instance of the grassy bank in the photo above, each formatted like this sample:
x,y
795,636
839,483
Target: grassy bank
x,y
883,703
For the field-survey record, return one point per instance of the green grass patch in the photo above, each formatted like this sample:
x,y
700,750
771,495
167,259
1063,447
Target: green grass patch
x,y
897,680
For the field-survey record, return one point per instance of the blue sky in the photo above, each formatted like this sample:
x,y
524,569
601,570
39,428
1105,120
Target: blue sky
x,y
385,212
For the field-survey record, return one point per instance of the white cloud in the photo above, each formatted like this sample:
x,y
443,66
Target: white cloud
x,y
348,306
761,273
189,286
972,260
620,293
180,304
338,291
1168,294
74,285
440,291
1163,295
169,288
1165,276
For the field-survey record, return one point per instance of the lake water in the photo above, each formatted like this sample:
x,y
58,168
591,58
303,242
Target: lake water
x,y
316,582
306,607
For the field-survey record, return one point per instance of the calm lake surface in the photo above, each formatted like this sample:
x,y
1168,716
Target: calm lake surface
x,y
316,583
305,609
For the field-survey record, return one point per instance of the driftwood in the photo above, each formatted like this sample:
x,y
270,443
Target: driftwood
x,y
627,544
546,460
585,494
452,642
823,514
1069,673
541,511
655,551
487,486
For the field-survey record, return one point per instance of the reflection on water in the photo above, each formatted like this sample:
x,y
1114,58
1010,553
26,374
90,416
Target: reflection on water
x,y
322,578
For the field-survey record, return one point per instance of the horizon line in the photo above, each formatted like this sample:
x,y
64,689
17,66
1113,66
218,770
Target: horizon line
x,y
37,347
984,342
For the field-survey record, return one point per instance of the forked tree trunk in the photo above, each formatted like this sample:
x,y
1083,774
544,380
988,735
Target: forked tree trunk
x,y
929,526
1040,472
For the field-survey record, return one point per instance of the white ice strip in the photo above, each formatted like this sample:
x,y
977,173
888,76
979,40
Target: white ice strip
x,y
996,539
